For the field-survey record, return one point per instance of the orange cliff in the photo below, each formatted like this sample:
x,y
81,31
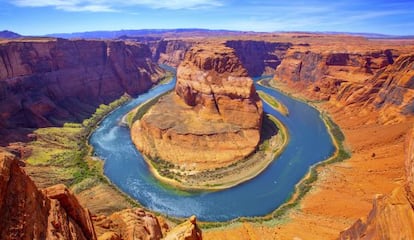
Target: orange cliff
x,y
28,213
46,82
367,91
55,213
213,118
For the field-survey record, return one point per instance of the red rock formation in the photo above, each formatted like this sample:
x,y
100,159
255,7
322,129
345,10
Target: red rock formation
x,y
170,52
129,224
378,79
259,57
392,89
27,213
325,73
213,79
186,231
51,81
212,120
55,213
392,216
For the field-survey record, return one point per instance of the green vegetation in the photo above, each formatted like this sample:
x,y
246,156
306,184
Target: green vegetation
x,y
138,112
143,108
169,75
274,103
65,149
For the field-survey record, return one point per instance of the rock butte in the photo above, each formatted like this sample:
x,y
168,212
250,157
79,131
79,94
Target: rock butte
x,y
213,118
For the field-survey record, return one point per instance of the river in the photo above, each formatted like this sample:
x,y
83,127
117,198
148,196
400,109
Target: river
x,y
309,143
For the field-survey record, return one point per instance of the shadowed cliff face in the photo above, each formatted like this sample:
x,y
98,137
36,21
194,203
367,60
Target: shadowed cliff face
x,y
28,213
55,213
170,52
49,82
259,57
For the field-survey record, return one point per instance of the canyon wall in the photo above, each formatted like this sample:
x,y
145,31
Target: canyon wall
x,y
55,213
259,57
47,82
28,213
381,79
212,120
170,52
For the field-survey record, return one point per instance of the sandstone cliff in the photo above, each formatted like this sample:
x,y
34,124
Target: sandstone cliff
x,y
212,120
380,79
259,57
55,213
392,216
391,90
50,81
28,213
170,52
324,73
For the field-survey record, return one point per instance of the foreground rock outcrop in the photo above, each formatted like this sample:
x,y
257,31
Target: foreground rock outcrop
x,y
55,213
46,82
28,213
213,118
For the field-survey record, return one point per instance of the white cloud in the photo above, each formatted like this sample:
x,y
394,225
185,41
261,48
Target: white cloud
x,y
108,5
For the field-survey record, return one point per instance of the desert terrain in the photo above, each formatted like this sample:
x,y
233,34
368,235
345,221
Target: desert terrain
x,y
364,85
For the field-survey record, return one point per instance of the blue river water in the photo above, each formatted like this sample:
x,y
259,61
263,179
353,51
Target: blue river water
x,y
309,143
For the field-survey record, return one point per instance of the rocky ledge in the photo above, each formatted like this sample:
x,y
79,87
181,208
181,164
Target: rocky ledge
x,y
28,212
211,120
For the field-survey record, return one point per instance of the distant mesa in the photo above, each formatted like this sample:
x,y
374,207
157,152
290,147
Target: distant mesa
x,y
9,34
211,120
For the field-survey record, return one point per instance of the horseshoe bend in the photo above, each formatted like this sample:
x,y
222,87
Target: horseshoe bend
x,y
54,94
212,120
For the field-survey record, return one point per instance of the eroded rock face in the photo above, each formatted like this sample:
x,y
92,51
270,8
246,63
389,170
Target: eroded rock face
x,y
381,79
325,73
170,52
188,230
259,57
48,82
213,118
392,216
28,213
129,224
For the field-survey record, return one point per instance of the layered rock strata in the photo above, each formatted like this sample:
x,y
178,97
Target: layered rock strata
x,y
28,213
55,213
213,118
259,57
170,52
46,82
380,79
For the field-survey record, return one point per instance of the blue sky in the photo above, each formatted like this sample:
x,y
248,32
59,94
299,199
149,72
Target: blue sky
x,y
38,17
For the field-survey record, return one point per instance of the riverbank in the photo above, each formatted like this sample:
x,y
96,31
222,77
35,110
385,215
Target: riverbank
x,y
62,155
343,191
275,139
